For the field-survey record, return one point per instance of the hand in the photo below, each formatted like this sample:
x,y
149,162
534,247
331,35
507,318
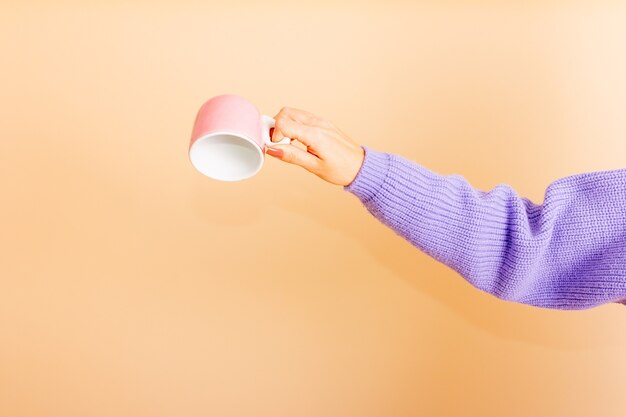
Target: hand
x,y
326,151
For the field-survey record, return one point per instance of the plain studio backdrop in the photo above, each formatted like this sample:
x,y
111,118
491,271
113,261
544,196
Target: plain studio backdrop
x,y
131,285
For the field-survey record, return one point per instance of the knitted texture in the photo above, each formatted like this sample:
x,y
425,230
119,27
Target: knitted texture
x,y
567,253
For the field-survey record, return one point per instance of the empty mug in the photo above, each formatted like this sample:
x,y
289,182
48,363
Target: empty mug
x,y
229,138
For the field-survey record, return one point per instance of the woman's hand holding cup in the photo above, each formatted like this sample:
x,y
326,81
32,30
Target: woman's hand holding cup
x,y
326,151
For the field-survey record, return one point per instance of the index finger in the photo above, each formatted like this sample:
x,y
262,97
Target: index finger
x,y
303,117
287,127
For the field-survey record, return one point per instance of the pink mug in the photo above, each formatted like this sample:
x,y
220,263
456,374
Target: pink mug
x,y
229,138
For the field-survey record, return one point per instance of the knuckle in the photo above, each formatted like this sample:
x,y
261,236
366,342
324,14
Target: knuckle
x,y
316,168
289,157
317,120
315,134
328,124
280,122
307,130
319,170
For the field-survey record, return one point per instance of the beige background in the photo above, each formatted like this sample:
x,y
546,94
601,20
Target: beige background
x,y
131,285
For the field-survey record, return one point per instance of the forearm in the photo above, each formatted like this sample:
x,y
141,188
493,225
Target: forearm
x,y
569,252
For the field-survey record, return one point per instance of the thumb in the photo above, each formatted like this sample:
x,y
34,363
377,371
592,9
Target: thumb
x,y
294,155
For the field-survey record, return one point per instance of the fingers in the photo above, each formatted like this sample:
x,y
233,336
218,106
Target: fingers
x,y
295,155
300,116
287,127
303,117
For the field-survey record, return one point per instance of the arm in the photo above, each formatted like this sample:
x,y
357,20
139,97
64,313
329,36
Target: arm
x,y
568,253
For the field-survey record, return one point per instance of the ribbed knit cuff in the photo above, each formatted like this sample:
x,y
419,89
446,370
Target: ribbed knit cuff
x,y
370,178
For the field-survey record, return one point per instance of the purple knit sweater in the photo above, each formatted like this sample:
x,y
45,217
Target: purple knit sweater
x,y
567,253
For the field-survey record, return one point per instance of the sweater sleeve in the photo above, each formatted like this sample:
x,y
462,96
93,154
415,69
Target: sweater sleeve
x,y
567,253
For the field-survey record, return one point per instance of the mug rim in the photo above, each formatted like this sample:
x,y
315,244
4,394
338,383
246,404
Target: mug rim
x,y
232,133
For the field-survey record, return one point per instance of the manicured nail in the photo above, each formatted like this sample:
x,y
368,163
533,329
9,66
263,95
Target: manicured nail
x,y
278,153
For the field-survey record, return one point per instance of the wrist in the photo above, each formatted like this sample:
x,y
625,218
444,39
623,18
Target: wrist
x,y
356,165
371,176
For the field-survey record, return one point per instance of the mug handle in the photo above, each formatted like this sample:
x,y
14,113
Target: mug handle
x,y
268,123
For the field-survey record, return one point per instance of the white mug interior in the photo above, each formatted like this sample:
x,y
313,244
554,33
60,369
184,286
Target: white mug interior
x,y
226,156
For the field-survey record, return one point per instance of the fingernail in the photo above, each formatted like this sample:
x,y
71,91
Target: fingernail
x,y
278,153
